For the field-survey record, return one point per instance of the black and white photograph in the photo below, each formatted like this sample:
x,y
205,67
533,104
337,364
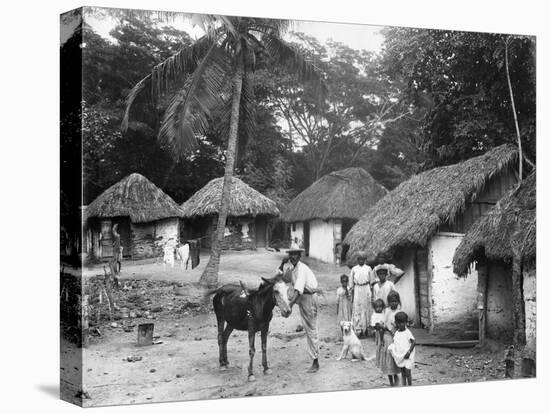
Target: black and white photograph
x,y
254,206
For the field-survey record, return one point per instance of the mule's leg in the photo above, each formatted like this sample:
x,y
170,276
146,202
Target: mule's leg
x,y
264,332
221,323
251,352
226,334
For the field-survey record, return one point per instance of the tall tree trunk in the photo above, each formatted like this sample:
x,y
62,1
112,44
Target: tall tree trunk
x,y
209,277
506,42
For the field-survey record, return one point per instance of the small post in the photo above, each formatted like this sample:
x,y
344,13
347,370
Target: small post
x,y
145,334
509,360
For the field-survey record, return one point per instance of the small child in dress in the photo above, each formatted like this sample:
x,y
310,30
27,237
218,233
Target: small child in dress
x,y
377,324
402,348
387,363
343,302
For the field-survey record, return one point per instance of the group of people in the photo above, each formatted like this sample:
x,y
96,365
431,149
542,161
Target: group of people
x,y
366,298
369,300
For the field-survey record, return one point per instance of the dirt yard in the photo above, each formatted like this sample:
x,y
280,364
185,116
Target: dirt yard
x,y
185,365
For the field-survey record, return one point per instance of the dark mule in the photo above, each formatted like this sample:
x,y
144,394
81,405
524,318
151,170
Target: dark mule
x,y
237,308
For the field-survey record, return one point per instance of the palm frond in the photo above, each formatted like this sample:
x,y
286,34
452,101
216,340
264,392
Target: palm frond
x,y
167,75
296,62
190,109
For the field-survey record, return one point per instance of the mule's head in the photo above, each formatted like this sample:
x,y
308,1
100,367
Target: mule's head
x,y
280,293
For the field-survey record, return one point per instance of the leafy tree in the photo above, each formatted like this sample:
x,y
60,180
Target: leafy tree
x,y
334,133
459,80
213,74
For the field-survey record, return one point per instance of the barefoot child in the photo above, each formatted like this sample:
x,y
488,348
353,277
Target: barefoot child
x,y
387,363
402,349
377,324
343,302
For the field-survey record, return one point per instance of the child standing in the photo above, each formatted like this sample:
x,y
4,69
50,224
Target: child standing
x,y
402,348
387,363
343,301
383,287
377,323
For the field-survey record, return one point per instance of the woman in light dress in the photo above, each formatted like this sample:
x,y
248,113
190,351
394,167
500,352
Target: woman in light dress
x,y
361,280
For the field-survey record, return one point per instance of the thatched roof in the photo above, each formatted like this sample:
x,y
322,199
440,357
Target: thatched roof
x,y
411,213
347,193
513,219
135,197
244,201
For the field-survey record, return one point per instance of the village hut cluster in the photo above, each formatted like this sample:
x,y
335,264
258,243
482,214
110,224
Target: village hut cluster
x,y
464,235
420,224
149,221
321,215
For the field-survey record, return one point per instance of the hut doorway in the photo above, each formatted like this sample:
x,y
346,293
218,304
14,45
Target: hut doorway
x,y
261,232
306,237
347,224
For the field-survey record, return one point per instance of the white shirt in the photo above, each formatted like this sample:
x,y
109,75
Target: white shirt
x,y
381,291
377,318
303,278
401,345
361,275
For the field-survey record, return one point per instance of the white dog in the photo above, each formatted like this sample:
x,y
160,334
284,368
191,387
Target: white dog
x,y
351,344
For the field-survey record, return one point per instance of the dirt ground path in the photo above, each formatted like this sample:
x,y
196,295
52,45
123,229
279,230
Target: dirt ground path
x,y
185,365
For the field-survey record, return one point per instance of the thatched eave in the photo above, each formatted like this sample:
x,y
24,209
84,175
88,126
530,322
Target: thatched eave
x,y
412,212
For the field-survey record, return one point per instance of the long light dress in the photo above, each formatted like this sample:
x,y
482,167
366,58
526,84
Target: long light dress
x,y
361,278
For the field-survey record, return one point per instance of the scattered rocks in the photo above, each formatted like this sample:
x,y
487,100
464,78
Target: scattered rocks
x,y
133,358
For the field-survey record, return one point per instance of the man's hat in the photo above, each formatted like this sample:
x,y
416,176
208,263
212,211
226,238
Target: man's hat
x,y
362,254
294,251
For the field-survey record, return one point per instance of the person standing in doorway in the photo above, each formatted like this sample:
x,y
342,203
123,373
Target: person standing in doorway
x,y
117,248
361,280
305,295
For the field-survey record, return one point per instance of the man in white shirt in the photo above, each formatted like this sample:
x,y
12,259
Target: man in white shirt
x,y
305,288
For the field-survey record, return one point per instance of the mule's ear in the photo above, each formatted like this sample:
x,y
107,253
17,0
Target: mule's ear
x,y
269,281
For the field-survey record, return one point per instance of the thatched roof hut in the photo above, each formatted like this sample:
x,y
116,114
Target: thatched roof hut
x,y
414,211
135,197
344,194
244,201
512,220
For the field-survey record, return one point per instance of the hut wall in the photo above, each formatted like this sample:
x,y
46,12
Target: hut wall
x,y
297,234
321,245
500,319
530,298
240,234
149,239
143,235
454,299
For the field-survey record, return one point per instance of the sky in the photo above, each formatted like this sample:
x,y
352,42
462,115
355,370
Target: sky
x,y
355,36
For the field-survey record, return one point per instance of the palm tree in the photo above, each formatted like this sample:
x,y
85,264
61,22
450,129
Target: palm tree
x,y
213,75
